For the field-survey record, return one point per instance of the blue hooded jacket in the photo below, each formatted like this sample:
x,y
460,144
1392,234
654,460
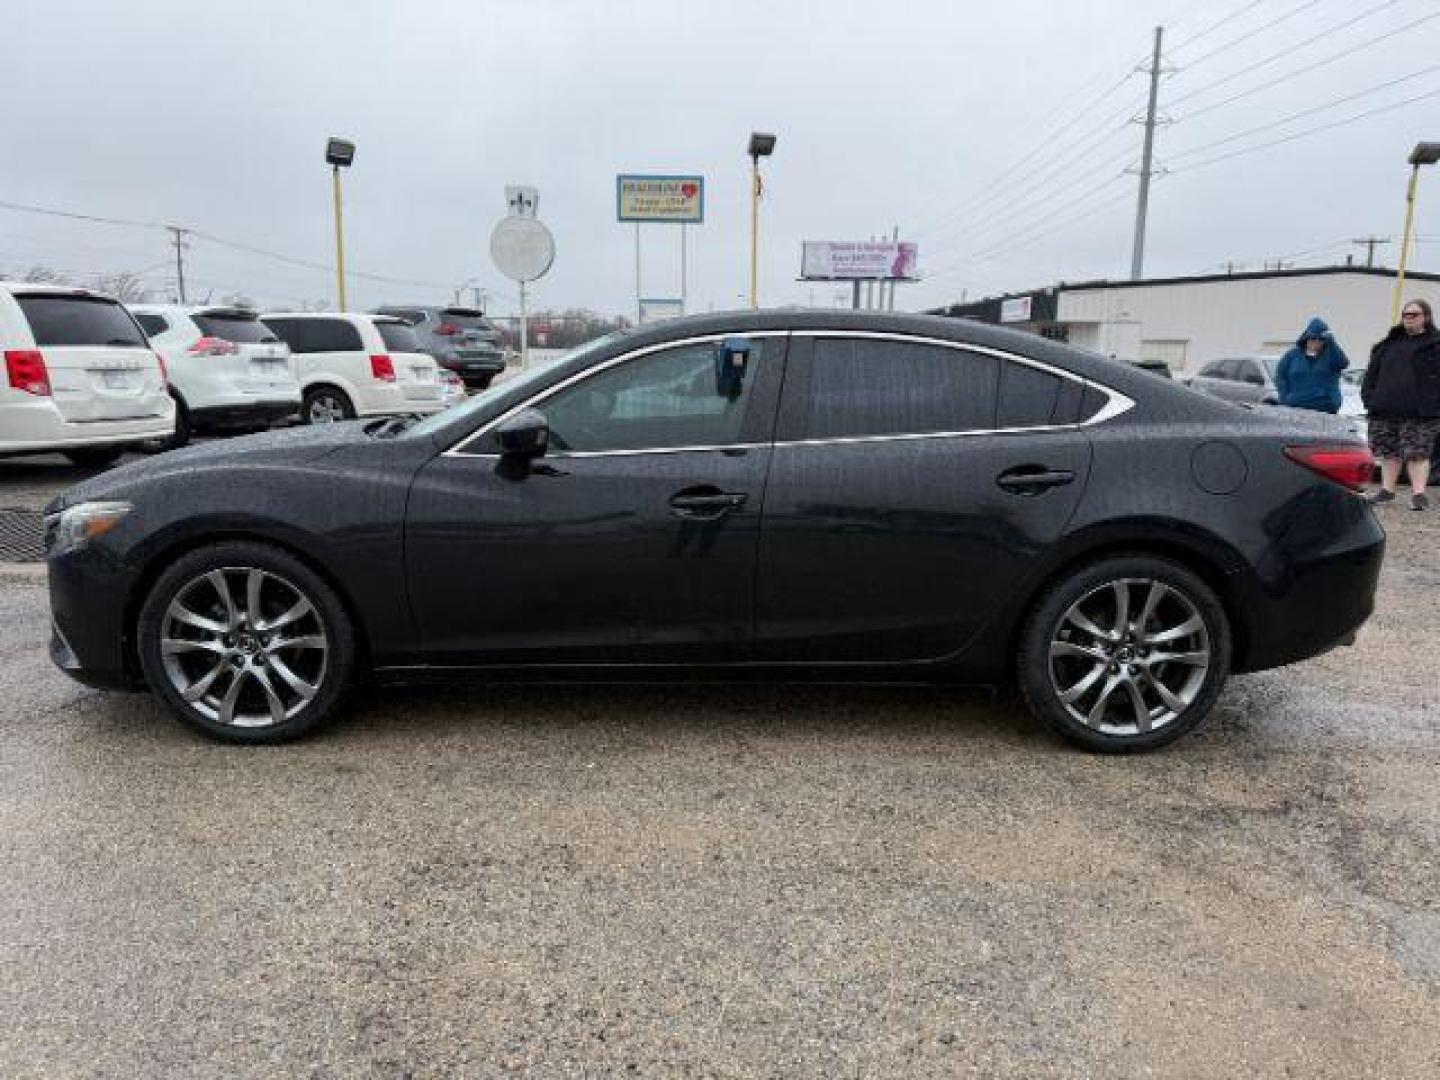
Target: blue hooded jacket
x,y
1305,382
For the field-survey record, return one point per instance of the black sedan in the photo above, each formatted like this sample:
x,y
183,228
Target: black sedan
x,y
780,494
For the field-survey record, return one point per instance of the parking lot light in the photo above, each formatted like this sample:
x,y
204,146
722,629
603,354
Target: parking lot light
x,y
762,144
339,154
1425,153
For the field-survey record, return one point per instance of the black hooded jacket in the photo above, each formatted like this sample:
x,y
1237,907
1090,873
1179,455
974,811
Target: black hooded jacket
x,y
1403,379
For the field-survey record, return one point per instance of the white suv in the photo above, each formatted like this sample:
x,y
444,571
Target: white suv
x,y
351,365
80,377
227,368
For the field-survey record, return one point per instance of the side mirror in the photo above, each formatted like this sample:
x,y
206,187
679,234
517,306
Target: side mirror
x,y
732,360
525,436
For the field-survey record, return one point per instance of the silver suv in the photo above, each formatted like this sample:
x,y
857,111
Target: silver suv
x,y
460,339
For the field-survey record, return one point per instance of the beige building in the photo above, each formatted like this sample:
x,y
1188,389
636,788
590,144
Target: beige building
x,y
1188,321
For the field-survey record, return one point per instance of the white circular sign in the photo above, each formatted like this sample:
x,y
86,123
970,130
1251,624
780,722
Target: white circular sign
x,y
522,248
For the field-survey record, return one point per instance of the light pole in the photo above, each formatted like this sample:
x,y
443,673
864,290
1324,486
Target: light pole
x,y
339,153
1425,153
762,144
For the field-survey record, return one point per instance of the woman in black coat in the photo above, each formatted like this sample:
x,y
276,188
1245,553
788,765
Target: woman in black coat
x,y
1401,393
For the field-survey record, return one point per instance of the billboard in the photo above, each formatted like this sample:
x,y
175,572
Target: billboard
x,y
1015,309
858,260
673,199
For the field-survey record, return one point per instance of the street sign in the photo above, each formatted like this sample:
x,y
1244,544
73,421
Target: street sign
x,y
522,248
673,199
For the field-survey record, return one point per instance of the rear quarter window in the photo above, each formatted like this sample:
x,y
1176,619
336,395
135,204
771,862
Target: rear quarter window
x,y
1030,397
153,325
317,335
79,320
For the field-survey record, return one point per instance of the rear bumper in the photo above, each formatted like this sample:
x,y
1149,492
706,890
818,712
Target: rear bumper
x,y
1296,608
39,430
250,412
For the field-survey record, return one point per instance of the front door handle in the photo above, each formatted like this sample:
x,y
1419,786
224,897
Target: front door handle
x,y
1033,479
705,502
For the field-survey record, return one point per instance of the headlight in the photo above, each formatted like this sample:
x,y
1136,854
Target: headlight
x,y
75,526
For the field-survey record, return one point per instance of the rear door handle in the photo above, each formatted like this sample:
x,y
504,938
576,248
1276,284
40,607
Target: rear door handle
x,y
705,502
1033,479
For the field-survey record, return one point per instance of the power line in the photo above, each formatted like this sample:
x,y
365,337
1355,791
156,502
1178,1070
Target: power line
x,y
1290,50
1305,112
1306,70
1310,131
1250,34
1217,25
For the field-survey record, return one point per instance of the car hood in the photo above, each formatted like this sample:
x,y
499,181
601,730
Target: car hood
x,y
294,446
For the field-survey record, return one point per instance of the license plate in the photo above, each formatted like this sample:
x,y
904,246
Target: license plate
x,y
421,374
117,380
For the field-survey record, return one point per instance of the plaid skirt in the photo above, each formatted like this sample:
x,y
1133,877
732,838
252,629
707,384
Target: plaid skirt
x,y
1408,440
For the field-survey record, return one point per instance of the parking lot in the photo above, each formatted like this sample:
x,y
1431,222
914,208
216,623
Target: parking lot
x,y
726,880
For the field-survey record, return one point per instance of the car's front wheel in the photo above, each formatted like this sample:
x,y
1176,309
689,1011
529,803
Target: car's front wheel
x,y
1125,654
246,643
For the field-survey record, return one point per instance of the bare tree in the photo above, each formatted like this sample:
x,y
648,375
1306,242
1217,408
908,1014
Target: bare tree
x,y
43,275
124,286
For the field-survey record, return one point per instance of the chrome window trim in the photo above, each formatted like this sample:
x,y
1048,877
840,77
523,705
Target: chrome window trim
x,y
1116,403
458,450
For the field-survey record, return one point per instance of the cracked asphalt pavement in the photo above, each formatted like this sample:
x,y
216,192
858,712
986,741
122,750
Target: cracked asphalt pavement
x,y
727,881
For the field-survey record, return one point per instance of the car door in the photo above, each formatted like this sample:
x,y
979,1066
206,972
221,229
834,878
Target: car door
x,y
632,540
913,485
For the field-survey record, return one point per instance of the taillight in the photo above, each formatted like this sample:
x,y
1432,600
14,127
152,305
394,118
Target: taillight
x,y
213,346
382,368
164,371
447,329
26,369
1351,466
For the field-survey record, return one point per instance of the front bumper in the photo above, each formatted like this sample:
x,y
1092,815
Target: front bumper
x,y
89,632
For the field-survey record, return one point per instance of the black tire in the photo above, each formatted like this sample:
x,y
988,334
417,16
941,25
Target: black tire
x,y
484,381
285,577
181,437
1108,665
95,457
323,401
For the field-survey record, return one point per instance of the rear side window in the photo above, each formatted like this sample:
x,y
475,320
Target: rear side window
x,y
398,337
873,387
1030,397
245,329
317,335
79,320
153,325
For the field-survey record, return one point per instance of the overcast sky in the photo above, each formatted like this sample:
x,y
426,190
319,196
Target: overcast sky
x,y
909,113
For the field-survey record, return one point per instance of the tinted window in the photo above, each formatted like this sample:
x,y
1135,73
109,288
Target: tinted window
x,y
1029,397
317,335
663,400
79,320
398,337
869,387
1213,370
247,329
1249,371
151,324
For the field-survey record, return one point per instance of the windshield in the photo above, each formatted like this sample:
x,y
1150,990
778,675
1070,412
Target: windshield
x,y
536,374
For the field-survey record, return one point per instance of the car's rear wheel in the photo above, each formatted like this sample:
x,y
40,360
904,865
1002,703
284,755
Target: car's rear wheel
x,y
95,457
326,405
1125,654
181,436
246,643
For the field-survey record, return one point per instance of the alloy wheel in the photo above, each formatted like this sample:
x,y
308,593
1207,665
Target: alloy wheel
x,y
1129,656
244,647
325,409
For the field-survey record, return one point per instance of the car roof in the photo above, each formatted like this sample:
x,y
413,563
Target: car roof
x,y
50,287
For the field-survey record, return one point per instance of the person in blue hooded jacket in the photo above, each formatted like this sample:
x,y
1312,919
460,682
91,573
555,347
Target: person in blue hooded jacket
x,y
1308,375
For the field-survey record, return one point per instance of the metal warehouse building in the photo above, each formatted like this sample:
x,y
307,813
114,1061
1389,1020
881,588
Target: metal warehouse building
x,y
1187,321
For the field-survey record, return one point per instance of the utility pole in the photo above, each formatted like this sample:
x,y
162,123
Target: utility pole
x,y
1137,258
1368,243
180,247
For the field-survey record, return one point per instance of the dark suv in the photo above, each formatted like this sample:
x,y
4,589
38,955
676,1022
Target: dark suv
x,y
460,339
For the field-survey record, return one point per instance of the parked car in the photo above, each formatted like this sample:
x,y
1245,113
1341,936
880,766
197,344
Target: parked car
x,y
781,494
227,368
80,377
460,339
351,365
1250,380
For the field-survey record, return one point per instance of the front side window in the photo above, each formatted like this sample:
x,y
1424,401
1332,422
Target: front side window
x,y
59,320
663,400
863,386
